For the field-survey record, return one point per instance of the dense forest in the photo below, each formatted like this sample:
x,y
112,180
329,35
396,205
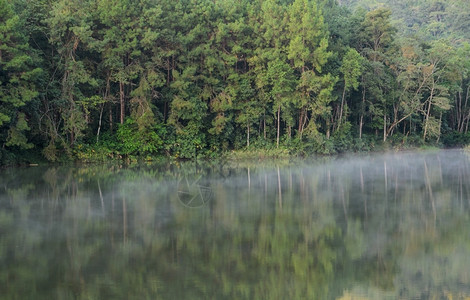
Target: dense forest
x,y
103,79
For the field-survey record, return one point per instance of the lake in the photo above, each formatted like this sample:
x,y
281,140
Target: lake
x,y
375,226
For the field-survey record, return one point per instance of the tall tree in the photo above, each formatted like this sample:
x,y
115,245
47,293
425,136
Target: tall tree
x,y
282,82
70,26
19,72
460,117
308,52
118,44
442,73
351,68
377,45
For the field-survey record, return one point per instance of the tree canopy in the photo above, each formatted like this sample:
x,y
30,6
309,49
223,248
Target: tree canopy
x,y
118,79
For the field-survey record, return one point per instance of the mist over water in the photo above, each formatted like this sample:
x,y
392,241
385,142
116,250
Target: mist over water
x,y
380,226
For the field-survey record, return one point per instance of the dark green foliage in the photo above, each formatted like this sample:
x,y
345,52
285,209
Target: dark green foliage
x,y
455,139
18,77
198,78
135,141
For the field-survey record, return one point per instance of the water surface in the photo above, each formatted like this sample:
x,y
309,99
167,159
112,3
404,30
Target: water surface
x,y
393,226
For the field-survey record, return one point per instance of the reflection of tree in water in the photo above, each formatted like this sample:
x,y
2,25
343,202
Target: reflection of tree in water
x,y
425,223
362,228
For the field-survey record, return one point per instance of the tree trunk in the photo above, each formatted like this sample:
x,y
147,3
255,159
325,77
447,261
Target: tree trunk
x,y
440,122
458,111
341,109
121,98
361,119
328,128
302,121
301,116
106,95
428,113
465,109
264,125
99,124
466,127
278,125
248,135
385,126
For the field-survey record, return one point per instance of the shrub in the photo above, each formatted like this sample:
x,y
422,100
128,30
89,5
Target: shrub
x,y
140,141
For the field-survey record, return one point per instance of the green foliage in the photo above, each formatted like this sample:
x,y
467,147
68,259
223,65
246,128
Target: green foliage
x,y
135,141
456,139
18,77
16,135
204,77
50,152
351,69
342,138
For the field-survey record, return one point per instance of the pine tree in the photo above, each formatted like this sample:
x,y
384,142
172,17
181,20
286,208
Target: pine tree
x,y
18,78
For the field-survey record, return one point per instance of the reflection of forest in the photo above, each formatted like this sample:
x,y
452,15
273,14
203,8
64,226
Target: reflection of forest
x,y
375,227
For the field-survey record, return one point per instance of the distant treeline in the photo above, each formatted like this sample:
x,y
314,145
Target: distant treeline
x,y
98,79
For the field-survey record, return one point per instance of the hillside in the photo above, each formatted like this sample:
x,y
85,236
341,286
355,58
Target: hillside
x,y
427,19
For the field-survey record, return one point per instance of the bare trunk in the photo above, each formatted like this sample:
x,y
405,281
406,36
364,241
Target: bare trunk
x,y
361,122
106,94
278,125
248,135
301,116
361,119
458,111
440,122
385,126
121,98
428,113
466,127
99,124
264,125
341,109
395,119
304,121
465,118
327,129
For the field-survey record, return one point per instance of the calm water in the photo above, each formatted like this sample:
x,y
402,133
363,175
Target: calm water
x,y
393,226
